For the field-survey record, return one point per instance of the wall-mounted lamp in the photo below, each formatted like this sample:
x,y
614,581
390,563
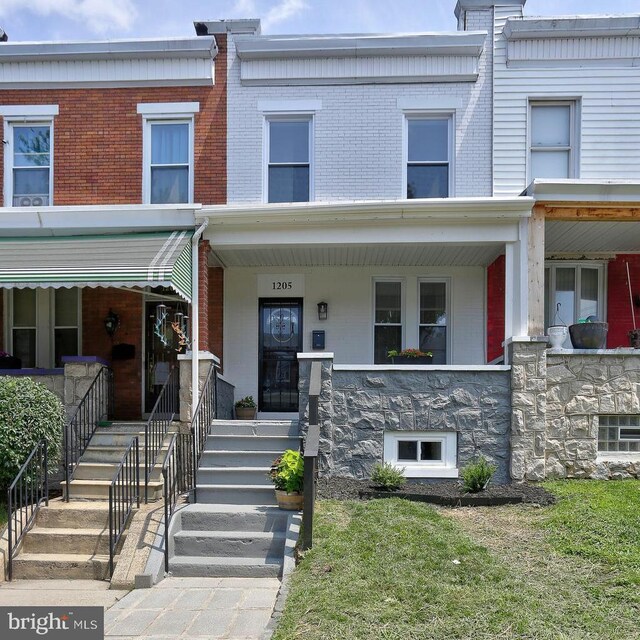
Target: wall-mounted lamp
x,y
323,310
111,323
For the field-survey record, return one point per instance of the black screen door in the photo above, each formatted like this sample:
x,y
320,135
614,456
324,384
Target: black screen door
x,y
280,341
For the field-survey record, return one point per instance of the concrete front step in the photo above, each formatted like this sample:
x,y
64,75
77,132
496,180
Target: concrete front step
x,y
255,428
234,544
73,515
221,567
68,541
225,458
113,438
232,517
232,475
99,489
262,494
251,443
52,566
107,470
114,453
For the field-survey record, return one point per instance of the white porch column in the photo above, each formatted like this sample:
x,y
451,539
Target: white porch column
x,y
516,291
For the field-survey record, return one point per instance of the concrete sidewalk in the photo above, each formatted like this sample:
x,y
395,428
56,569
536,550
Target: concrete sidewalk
x,y
229,608
59,593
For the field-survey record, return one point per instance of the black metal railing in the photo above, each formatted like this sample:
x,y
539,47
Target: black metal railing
x,y
206,411
164,410
177,472
96,405
26,493
124,491
311,446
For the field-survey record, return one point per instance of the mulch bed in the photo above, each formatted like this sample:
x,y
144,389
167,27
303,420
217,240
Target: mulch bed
x,y
442,493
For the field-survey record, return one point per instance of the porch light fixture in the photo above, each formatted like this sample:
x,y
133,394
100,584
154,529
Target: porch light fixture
x,y
111,323
323,310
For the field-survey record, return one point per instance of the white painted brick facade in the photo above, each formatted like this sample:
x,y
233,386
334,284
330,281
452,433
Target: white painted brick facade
x,y
359,132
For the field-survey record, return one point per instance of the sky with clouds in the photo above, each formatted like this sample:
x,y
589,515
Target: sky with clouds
x,y
27,20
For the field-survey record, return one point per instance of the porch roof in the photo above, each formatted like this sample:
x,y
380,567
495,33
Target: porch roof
x,y
160,259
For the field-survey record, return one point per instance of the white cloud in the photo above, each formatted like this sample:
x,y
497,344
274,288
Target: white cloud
x,y
282,12
100,16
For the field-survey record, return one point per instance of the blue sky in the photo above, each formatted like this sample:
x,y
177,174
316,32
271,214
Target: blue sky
x,y
105,19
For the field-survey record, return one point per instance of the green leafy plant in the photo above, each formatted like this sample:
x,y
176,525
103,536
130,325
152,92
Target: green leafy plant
x,y
477,474
287,472
246,403
388,477
409,353
29,412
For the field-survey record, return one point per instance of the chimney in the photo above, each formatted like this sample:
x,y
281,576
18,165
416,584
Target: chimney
x,y
464,7
3,35
244,26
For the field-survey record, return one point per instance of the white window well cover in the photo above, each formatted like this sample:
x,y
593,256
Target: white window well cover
x,y
423,454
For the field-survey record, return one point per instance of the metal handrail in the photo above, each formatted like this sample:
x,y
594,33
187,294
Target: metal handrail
x,y
96,405
158,423
25,494
206,411
311,449
124,490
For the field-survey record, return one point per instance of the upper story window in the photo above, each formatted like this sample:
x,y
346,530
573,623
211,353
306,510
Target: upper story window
x,y
168,165
429,156
552,140
28,154
288,171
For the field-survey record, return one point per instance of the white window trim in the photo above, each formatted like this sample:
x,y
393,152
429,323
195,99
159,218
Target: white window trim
x,y
574,132
577,264
292,116
148,122
448,284
447,468
281,107
403,316
32,115
168,109
420,114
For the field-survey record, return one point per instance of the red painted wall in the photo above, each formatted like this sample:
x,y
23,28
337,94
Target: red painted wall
x,y
618,305
495,308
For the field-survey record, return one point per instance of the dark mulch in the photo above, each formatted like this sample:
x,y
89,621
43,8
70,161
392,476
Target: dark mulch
x,y
446,493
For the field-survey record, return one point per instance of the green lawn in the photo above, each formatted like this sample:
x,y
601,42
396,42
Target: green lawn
x,y
391,569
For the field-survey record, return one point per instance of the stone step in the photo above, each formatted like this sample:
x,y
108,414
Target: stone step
x,y
232,475
114,453
223,517
226,458
73,515
251,443
99,489
68,541
255,428
60,566
236,544
107,470
221,567
113,438
262,494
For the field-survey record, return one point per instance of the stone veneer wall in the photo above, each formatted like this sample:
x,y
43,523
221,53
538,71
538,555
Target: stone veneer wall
x,y
357,406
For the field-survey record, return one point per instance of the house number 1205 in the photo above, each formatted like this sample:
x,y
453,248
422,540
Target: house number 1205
x,y
282,286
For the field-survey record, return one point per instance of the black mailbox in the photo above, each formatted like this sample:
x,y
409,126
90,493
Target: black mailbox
x,y
317,339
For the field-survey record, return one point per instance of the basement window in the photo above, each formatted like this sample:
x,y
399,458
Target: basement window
x,y
619,433
423,454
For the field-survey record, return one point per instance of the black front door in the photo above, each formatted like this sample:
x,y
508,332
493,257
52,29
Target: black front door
x,y
280,341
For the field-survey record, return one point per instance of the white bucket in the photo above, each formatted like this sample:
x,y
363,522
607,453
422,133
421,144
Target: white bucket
x,y
557,335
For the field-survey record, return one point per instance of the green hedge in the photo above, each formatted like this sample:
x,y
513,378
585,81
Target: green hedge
x,y
28,413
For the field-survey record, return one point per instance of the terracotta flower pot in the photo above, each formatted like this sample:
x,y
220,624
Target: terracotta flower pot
x,y
289,501
245,413
409,360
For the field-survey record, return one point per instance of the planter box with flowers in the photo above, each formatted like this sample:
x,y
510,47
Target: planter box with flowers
x,y
246,408
7,361
287,474
410,356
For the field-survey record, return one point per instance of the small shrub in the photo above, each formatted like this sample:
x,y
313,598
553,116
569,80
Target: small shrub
x,y
246,403
388,477
477,474
28,413
287,472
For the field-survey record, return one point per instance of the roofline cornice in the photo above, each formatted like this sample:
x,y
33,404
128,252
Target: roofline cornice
x,y
572,27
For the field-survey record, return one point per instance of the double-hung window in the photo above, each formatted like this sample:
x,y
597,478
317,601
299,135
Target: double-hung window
x,y
289,151
552,150
434,319
168,171
28,154
388,319
429,156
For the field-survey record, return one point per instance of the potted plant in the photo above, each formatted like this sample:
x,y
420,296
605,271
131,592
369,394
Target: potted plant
x,y
7,361
246,408
287,474
410,356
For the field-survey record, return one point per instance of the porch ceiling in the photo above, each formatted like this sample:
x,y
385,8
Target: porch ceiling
x,y
395,255
587,237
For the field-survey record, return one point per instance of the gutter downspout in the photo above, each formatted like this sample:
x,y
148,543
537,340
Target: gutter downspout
x,y
195,317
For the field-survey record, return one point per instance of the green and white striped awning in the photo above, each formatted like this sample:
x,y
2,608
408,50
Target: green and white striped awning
x,y
132,260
